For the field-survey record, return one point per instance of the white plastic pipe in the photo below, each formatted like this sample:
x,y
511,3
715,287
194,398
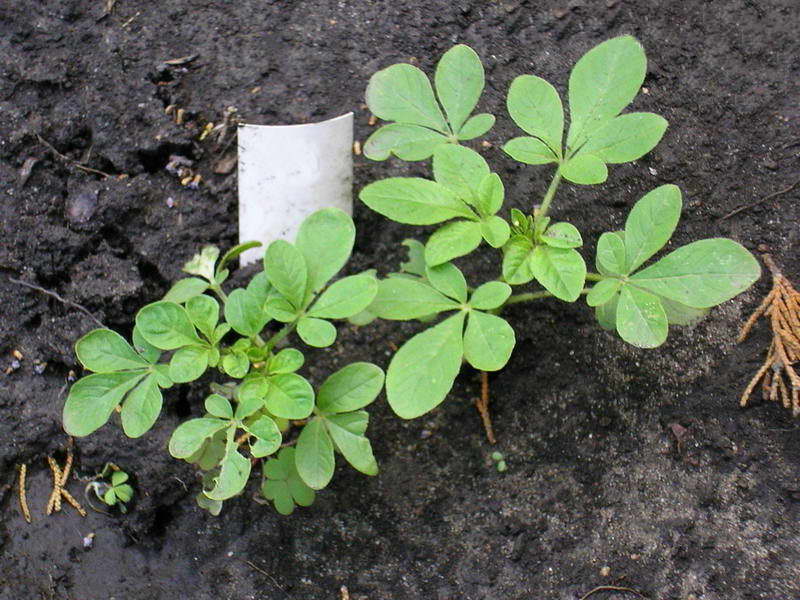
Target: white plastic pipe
x,y
286,172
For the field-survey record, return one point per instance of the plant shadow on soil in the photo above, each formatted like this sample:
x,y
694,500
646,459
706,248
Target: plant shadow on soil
x,y
595,479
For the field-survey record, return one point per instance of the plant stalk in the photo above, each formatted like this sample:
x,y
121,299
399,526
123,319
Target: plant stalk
x,y
282,333
549,195
530,296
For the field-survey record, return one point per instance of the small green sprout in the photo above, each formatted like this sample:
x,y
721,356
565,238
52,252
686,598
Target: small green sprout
x,y
111,487
500,465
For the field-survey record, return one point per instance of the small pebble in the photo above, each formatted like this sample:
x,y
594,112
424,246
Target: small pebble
x,y
605,571
88,541
39,367
81,206
170,202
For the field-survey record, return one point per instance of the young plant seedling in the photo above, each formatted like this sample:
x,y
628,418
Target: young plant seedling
x,y
111,487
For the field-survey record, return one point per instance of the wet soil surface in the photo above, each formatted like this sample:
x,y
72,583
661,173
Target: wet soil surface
x,y
599,490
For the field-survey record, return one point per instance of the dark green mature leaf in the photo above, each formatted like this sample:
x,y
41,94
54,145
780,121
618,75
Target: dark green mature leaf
x,y
350,388
204,313
562,235
290,396
355,422
452,240
461,170
602,83
189,437
610,259
403,299
529,150
403,93
476,126
448,279
188,363
93,398
641,320
626,137
488,341
702,274
585,169
316,332
560,270
405,141
355,448
314,455
280,309
491,193
286,270
516,260
166,325
148,352
459,82
536,108
234,472
141,408
650,224
244,313
346,297
423,370
414,201
490,295
105,351
326,240
185,289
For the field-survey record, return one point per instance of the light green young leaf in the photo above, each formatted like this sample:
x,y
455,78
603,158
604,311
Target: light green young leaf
x,y
626,137
405,141
461,170
189,437
536,108
606,314
680,314
280,309
290,396
316,332
562,235
124,492
603,291
314,455
268,436
346,297
495,231
233,474
560,270
490,295
490,195
603,82
488,341
166,325
529,150
585,169
350,388
448,279
287,360
214,507
234,253
286,270
641,320
459,82
118,478
141,408
204,313
105,351
244,313
610,259
326,240
702,274
516,260
185,289
403,93
236,364
283,485
476,126
423,370
413,201
402,299
203,264
355,448
251,398
219,406
188,363
452,240
650,224
93,398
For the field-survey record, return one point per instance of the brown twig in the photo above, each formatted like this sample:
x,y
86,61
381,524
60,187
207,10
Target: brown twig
x,y
23,499
611,588
69,160
482,404
59,298
757,202
59,490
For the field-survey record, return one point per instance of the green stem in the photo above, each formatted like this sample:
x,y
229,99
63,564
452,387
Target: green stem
x,y
282,333
530,296
595,277
548,197
217,289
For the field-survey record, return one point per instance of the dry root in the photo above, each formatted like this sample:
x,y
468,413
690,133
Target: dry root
x,y
779,380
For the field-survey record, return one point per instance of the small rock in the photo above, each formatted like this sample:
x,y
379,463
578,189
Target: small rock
x,y
605,571
81,206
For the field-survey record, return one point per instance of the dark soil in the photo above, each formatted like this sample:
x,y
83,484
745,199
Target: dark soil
x,y
595,479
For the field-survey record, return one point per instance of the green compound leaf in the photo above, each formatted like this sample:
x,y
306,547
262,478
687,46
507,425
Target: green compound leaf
x,y
488,341
490,195
218,406
402,299
516,260
403,93
562,235
606,314
203,311
314,455
190,436
234,472
529,150
141,408
490,295
452,240
203,264
641,320
105,351
244,312
611,254
702,274
561,271
461,170
405,141
680,314
414,201
185,289
236,364
536,108
459,81
124,492
350,388
251,396
280,309
476,126
626,137
603,82
423,370
287,360
268,436
188,363
286,270
650,224
316,332
326,240
448,279
118,478
585,169
495,231
166,325
346,297
356,449
603,291
93,398
290,396
282,483
355,422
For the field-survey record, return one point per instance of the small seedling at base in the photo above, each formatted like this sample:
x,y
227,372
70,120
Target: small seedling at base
x,y
500,463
